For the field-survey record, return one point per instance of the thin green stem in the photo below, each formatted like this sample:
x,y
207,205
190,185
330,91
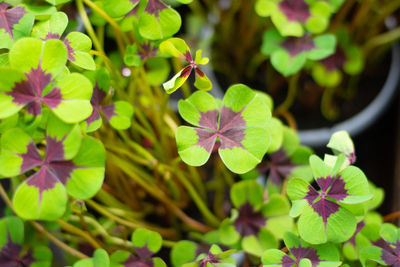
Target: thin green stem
x,y
117,30
209,216
160,195
130,224
382,39
75,230
291,96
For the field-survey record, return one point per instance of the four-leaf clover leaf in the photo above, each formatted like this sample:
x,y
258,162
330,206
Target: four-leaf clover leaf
x,y
31,80
324,214
236,127
71,164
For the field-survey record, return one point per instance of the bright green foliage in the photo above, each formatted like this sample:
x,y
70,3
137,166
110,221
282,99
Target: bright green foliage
x,y
341,143
118,113
302,252
289,161
313,16
158,22
13,246
118,8
326,215
255,224
289,55
72,164
385,247
78,44
68,97
237,126
18,24
348,58
183,252
216,257
175,47
143,238
57,2
100,259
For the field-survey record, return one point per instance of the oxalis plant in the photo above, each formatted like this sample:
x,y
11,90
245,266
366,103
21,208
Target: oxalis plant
x,y
98,170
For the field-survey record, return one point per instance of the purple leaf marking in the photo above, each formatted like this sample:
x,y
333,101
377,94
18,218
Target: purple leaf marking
x,y
230,131
43,180
10,255
301,253
154,7
54,167
296,45
31,158
97,98
249,221
29,92
52,36
133,261
359,227
143,252
335,61
10,17
331,187
211,258
352,157
206,139
390,252
147,51
67,43
295,10
209,120
71,51
108,111
279,166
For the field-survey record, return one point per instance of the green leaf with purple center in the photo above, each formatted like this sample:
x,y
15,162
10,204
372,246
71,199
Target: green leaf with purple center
x,y
294,17
158,21
236,128
12,252
324,214
290,161
348,58
78,44
289,54
146,243
386,249
35,77
118,113
176,47
318,255
15,23
214,257
71,164
366,234
255,224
